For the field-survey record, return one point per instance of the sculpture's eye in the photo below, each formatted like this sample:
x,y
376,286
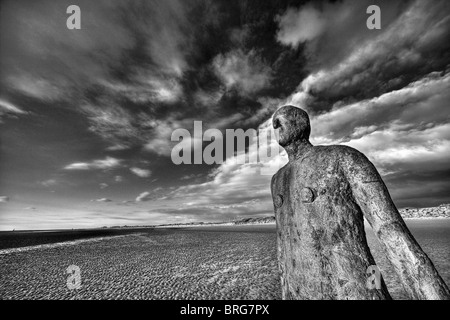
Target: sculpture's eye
x,y
276,123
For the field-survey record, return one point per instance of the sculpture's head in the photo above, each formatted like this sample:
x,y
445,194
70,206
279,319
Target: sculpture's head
x,y
293,125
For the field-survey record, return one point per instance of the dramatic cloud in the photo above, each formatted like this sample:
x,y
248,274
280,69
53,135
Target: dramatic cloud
x,y
300,26
331,30
51,48
246,72
398,54
420,104
161,142
81,111
402,130
387,95
238,186
4,199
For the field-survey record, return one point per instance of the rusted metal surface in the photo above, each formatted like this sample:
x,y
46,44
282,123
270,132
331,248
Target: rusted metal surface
x,y
320,200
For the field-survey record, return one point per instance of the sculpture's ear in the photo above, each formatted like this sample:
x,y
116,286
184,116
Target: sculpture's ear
x,y
273,181
276,181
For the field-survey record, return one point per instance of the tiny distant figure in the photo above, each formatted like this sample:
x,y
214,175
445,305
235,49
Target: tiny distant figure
x,y
320,200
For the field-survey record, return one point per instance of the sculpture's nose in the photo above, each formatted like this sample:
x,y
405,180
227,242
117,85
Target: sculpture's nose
x,y
276,123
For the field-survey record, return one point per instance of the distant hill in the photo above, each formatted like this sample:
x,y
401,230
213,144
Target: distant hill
x,y
245,221
441,211
260,220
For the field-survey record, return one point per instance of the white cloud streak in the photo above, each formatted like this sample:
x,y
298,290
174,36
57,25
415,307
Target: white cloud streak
x,y
144,196
142,173
104,164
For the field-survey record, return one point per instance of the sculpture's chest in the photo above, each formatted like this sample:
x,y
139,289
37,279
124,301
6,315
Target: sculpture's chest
x,y
309,186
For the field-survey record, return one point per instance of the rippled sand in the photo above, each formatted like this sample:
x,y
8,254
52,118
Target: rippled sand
x,y
158,264
229,262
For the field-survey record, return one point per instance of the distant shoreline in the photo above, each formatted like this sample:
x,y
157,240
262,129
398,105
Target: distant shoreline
x,y
428,213
263,223
438,212
425,218
215,225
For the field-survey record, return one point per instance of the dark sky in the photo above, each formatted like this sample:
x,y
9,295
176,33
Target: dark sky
x,y
86,116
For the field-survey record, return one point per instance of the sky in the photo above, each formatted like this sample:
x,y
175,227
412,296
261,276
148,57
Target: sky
x,y
86,116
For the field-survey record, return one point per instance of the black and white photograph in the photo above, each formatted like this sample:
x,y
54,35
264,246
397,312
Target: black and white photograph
x,y
237,151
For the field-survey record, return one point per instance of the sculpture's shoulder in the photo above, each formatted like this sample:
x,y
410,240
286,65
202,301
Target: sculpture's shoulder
x,y
338,152
353,162
280,174
345,155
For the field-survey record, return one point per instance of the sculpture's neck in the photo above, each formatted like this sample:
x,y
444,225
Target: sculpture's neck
x,y
297,149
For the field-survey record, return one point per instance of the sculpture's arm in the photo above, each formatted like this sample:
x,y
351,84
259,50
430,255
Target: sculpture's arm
x,y
417,272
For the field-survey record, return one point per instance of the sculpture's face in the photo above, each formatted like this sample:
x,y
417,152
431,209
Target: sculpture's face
x,y
292,124
281,123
